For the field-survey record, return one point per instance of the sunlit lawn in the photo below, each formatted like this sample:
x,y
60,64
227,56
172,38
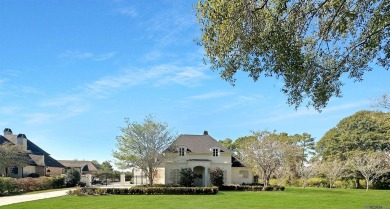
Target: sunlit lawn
x,y
290,198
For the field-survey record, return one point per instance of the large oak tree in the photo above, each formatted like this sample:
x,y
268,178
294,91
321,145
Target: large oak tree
x,y
310,44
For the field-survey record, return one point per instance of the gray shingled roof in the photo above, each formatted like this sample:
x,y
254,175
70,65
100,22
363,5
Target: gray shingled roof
x,y
199,143
82,164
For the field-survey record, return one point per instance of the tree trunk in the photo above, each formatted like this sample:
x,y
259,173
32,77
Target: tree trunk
x,y
367,183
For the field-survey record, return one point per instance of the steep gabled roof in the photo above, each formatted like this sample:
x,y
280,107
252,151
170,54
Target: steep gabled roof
x,y
199,143
35,153
4,140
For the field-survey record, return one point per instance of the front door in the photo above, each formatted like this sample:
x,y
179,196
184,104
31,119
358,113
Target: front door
x,y
200,172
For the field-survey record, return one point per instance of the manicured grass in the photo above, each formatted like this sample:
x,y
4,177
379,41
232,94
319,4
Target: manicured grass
x,y
290,198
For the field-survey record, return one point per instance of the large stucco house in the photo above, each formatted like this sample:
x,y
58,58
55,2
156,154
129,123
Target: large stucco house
x,y
40,162
200,153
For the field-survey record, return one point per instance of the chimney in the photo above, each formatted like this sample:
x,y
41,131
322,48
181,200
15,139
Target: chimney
x,y
7,131
205,133
22,141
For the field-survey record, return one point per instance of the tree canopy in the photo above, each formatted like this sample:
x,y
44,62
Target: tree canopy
x,y
310,44
142,145
363,131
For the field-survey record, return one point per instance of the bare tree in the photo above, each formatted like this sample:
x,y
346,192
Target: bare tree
x,y
142,145
264,155
382,102
12,156
332,170
307,171
371,165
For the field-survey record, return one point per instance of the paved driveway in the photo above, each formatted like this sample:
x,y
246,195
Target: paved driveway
x,y
30,197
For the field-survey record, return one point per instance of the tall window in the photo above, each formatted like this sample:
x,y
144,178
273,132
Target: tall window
x,y
175,176
182,151
215,152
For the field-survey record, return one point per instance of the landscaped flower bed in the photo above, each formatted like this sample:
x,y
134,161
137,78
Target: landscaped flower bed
x,y
146,191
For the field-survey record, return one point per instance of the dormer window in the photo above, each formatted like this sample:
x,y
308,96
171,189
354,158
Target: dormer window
x,y
216,151
182,151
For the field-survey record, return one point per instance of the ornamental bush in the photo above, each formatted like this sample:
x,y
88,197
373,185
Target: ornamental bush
x,y
187,177
72,177
145,191
216,176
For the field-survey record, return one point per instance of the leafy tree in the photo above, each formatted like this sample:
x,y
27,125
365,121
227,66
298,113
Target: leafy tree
x,y
142,145
228,143
363,131
187,177
310,44
371,165
12,155
216,176
72,177
106,166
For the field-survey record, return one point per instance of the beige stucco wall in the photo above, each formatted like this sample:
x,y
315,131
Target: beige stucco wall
x,y
239,179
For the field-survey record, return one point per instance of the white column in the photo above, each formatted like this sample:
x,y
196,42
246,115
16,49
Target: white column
x,y
88,180
122,179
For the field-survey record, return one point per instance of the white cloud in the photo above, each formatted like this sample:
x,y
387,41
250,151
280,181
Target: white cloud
x,y
211,95
127,11
87,55
39,118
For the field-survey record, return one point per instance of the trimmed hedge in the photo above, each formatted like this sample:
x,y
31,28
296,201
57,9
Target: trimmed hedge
x,y
145,191
250,188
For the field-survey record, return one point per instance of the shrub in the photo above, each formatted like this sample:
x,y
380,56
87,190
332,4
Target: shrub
x,y
33,175
72,177
7,185
187,177
57,181
146,191
216,176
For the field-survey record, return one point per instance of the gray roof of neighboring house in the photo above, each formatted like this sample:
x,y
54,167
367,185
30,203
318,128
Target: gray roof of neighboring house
x,y
82,164
35,151
199,143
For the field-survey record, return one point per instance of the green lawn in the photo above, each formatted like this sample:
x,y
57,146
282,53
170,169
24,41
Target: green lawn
x,y
290,198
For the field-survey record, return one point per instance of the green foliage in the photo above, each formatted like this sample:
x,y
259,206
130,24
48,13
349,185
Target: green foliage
x,y
310,44
187,177
363,131
216,177
33,175
72,177
145,191
12,155
11,185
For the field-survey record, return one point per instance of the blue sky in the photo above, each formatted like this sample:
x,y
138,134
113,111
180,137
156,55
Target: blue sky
x,y
71,71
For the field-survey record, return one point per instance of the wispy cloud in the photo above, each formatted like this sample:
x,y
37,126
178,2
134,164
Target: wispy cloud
x,y
39,118
127,11
129,77
87,55
211,95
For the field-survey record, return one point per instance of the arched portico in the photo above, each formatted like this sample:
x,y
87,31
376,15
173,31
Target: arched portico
x,y
200,173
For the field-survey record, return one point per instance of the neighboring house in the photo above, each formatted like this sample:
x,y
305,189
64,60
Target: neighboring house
x,y
84,167
40,162
200,153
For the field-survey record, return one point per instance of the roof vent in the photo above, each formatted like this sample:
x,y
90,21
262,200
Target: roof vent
x,y
7,131
205,133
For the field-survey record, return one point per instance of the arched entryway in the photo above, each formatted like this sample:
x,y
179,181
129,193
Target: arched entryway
x,y
200,172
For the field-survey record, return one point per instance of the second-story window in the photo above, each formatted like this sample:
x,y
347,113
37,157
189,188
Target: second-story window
x,y
182,151
215,152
